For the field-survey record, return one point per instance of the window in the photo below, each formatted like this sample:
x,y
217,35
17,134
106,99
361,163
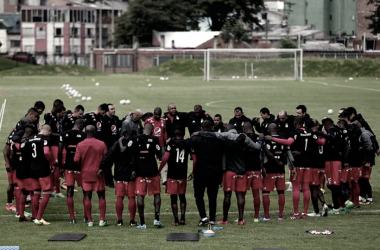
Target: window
x,y
40,33
58,49
58,32
90,33
15,43
75,50
27,32
37,16
75,32
124,61
29,48
104,32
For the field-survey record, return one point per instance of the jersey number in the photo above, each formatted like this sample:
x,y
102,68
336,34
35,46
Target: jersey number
x,y
34,154
180,155
306,140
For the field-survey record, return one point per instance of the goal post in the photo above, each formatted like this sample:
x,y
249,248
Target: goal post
x,y
253,64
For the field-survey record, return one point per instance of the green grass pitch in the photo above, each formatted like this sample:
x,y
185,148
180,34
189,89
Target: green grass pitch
x,y
357,230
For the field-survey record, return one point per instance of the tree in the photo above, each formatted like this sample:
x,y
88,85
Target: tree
x,y
374,26
285,43
236,31
144,16
233,11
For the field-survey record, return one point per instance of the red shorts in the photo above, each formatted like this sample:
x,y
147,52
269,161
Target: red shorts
x,y
302,175
73,176
96,186
125,188
176,186
272,180
43,184
12,177
234,182
63,156
317,176
25,184
150,183
253,180
345,175
333,172
355,173
54,153
366,172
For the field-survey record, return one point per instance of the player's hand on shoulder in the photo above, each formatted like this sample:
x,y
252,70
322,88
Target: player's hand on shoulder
x,y
296,153
195,133
99,173
268,138
191,176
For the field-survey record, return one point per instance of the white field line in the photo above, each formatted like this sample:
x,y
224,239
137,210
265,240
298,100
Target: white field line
x,y
323,83
351,87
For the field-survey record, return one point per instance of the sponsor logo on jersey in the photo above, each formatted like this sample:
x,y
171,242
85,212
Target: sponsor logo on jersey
x,y
99,126
113,129
79,136
157,131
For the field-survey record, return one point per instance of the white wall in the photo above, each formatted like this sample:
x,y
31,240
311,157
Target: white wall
x,y
3,40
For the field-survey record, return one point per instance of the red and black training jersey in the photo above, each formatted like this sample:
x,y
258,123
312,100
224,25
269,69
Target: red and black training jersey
x,y
146,147
96,121
70,140
178,159
110,129
305,143
278,150
40,166
53,121
252,157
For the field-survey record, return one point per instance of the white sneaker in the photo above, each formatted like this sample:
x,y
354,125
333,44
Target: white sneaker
x,y
313,214
325,210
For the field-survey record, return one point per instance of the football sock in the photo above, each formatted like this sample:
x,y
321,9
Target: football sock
x,y
266,204
157,215
296,196
256,202
281,204
87,210
35,203
142,220
70,206
17,196
132,208
306,197
176,219
22,201
102,208
119,207
43,204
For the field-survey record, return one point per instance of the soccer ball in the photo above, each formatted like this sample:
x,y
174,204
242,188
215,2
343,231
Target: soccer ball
x,y
122,102
84,98
330,111
233,77
97,84
238,77
88,98
350,78
166,78
255,77
149,85
127,101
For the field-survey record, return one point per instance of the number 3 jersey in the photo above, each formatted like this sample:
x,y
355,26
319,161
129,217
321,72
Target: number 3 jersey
x,y
178,159
35,148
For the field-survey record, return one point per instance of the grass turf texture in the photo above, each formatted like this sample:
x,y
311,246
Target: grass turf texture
x,y
351,231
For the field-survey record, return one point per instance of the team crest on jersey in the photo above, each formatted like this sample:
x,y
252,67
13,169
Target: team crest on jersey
x,y
157,131
168,147
268,146
130,143
315,137
45,143
158,147
57,124
150,140
113,129
22,145
79,136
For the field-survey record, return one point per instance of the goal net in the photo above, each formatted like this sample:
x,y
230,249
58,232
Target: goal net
x,y
253,64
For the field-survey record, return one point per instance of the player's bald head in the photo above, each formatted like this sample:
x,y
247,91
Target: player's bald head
x,y
247,127
229,126
272,126
90,131
148,129
79,124
46,130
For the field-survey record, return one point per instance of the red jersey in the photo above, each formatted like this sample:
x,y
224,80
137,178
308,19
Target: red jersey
x,y
159,129
88,156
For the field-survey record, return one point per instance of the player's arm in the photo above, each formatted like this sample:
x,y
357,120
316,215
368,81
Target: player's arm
x,y
60,155
164,161
251,144
191,176
287,142
6,153
109,157
77,156
49,157
158,148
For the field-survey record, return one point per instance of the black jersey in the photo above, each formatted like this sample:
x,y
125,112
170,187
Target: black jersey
x,y
305,143
178,159
24,162
145,148
278,150
68,122
252,157
194,122
96,121
70,140
355,158
40,166
319,157
53,121
285,128
238,124
110,129
220,128
334,145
